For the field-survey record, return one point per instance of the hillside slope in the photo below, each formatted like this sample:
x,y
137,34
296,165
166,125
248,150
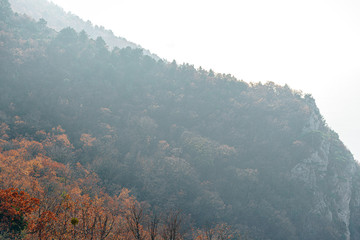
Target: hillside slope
x,y
258,157
58,19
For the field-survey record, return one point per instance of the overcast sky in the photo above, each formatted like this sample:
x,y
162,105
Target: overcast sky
x,y
311,45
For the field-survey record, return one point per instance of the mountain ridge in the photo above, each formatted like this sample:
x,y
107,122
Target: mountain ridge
x,y
258,157
58,19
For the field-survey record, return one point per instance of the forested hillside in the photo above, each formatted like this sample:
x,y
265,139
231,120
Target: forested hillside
x,y
142,145
58,19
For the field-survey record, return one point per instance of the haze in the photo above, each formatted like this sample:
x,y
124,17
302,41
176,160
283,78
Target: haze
x,y
312,45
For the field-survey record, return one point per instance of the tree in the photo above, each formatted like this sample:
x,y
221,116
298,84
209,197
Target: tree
x,y
134,215
172,226
15,206
153,225
5,9
67,36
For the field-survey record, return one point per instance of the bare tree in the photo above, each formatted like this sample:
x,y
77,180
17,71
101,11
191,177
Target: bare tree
x,y
153,225
134,216
172,226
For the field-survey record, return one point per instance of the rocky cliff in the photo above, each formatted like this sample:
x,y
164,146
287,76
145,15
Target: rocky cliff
x,y
330,172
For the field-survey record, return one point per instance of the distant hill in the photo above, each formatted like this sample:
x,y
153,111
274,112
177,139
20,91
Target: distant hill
x,y
235,158
58,19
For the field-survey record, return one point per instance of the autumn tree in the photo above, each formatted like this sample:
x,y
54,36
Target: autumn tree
x,y
15,206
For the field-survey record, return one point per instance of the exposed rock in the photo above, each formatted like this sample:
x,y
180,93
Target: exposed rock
x,y
329,177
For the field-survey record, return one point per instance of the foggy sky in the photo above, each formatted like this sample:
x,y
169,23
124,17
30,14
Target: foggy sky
x,y
311,45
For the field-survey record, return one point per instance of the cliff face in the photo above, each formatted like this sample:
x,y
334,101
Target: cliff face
x,y
355,207
330,173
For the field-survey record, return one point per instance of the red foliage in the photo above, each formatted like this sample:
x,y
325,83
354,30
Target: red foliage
x,y
15,206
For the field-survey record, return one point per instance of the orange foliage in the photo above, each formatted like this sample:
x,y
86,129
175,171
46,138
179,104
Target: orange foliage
x,y
15,206
3,129
57,137
87,139
51,200
18,120
60,193
14,203
63,139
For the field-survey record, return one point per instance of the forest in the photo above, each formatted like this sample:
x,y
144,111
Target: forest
x,y
100,143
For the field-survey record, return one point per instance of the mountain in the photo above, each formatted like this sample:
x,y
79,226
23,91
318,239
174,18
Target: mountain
x,y
58,19
257,157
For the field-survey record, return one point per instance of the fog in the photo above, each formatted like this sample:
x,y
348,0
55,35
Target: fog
x,y
312,46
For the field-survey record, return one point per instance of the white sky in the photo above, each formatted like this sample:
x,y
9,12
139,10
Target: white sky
x,y
312,45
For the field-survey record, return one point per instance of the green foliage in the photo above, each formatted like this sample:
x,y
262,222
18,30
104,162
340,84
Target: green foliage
x,y
74,221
